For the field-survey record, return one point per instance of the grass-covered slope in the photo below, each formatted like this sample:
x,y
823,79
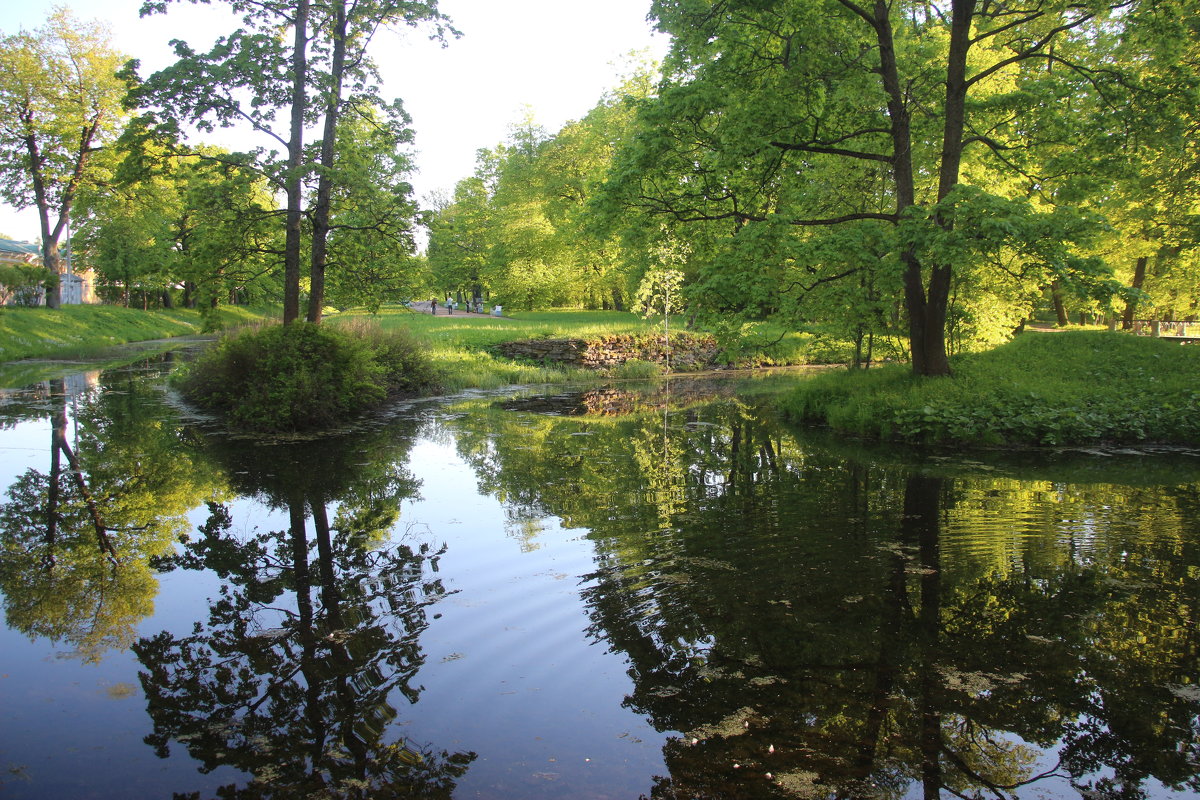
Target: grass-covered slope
x,y
77,331
1040,389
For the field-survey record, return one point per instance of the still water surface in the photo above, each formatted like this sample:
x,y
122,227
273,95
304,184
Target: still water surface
x,y
598,594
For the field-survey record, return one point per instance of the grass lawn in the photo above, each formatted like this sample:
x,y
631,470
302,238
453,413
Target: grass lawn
x,y
1068,388
81,331
459,344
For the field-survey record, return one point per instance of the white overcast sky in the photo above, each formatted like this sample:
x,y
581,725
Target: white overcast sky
x,y
554,56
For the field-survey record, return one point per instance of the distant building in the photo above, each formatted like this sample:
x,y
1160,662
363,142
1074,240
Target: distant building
x,y
74,288
19,252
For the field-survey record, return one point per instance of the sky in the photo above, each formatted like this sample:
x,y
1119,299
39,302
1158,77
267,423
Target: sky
x,y
556,57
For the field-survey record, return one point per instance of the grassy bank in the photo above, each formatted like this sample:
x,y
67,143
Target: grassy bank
x,y
81,331
1040,389
461,345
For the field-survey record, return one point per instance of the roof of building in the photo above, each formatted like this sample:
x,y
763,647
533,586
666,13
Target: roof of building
x,y
24,248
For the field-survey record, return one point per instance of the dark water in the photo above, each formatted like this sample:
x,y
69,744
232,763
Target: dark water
x,y
604,594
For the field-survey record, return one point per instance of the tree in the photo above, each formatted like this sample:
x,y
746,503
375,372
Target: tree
x,y
522,225
797,127
306,79
350,27
203,222
60,103
371,248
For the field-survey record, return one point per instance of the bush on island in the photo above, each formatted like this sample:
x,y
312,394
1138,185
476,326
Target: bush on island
x,y
305,377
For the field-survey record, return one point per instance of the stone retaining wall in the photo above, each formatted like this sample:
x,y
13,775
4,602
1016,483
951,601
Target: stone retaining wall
x,y
688,351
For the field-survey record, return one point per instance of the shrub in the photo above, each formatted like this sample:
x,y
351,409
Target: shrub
x,y
304,377
636,369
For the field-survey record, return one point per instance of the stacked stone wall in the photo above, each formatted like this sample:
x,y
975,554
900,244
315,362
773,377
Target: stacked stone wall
x,y
688,351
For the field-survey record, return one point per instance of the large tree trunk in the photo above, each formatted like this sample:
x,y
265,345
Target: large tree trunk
x,y
321,211
929,353
295,177
1060,308
1139,278
926,314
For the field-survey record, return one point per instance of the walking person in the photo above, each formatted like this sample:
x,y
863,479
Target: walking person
x,y
433,306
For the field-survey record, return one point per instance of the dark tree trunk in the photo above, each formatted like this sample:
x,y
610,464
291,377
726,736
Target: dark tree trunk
x,y
295,177
1139,279
1060,308
321,211
926,314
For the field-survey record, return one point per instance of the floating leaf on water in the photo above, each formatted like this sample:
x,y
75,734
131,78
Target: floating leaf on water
x,y
735,724
800,783
973,683
767,680
707,563
270,633
1191,693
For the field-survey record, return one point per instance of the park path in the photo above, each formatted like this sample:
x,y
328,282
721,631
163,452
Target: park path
x,y
422,307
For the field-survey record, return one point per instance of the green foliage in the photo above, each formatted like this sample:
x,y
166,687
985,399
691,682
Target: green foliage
x,y
19,283
522,228
636,369
1041,389
304,376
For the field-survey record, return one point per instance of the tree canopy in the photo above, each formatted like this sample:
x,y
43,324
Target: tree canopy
x,y
60,104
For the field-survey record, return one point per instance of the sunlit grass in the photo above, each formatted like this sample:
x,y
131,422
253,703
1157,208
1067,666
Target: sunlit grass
x,y
1076,387
461,345
73,332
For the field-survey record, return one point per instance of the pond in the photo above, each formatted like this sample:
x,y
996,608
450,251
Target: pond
x,y
618,592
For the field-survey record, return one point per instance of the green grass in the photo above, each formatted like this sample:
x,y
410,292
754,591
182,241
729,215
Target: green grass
x,y
1069,388
460,345
476,333
73,332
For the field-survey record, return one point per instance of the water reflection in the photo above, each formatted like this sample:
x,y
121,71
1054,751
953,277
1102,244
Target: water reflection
x,y
294,676
79,536
807,625
795,617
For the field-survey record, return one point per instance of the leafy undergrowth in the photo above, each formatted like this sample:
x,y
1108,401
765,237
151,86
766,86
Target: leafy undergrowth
x,y
1040,389
82,331
304,377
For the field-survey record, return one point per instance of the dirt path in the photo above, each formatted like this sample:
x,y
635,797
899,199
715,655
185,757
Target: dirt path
x,y
423,308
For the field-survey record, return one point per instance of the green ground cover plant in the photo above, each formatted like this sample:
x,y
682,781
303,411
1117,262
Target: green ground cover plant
x,y
82,331
300,377
1068,388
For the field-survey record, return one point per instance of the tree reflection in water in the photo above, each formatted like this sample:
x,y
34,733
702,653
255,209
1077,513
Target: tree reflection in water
x,y
294,677
812,625
77,539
